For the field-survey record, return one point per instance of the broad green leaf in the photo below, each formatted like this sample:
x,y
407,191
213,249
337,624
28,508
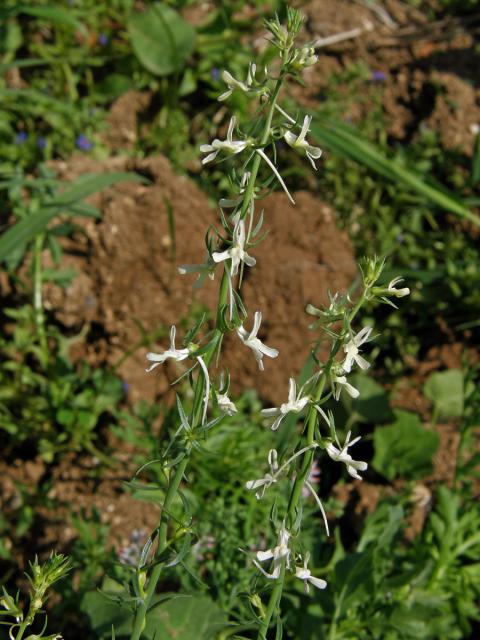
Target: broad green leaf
x,y
161,39
347,142
372,404
445,390
185,618
354,579
174,616
22,232
103,612
404,448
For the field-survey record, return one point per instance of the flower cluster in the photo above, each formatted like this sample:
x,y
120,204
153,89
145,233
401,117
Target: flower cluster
x,y
229,251
281,554
295,404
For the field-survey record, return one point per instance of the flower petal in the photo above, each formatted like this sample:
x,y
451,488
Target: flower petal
x,y
220,256
317,582
265,555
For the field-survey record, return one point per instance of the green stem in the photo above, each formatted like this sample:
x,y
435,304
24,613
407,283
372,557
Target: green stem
x,y
37,294
176,478
273,603
306,464
22,629
295,495
263,141
174,483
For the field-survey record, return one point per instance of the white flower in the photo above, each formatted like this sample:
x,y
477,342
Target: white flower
x,y
352,350
303,573
341,381
175,354
203,270
277,554
306,57
342,455
294,405
229,145
251,341
236,253
299,142
233,84
270,478
225,404
276,471
398,293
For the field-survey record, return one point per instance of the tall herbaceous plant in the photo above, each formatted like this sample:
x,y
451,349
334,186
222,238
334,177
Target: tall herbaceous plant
x,y
230,250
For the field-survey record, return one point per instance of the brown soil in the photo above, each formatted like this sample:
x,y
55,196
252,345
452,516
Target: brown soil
x,y
122,121
78,485
129,276
430,80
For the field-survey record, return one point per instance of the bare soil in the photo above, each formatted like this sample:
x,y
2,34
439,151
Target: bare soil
x,y
430,78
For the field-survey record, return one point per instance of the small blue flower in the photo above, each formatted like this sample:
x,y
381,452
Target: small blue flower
x,y
102,39
378,76
215,73
21,137
125,386
83,143
41,142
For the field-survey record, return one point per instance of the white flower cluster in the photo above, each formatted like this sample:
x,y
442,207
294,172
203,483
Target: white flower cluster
x,y
280,554
295,404
352,355
232,250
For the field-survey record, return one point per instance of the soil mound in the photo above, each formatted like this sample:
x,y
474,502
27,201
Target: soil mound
x,y
129,289
426,71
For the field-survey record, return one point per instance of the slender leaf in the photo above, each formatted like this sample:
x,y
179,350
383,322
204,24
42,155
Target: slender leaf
x,y
54,14
90,183
347,142
25,230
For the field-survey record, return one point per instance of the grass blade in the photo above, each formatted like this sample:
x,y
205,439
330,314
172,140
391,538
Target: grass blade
x,y
347,142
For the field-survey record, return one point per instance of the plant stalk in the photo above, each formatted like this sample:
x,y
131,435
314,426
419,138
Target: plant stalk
x,y
37,294
176,478
306,464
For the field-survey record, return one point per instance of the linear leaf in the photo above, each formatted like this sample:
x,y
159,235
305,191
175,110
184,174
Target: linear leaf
x,y
347,142
90,183
67,203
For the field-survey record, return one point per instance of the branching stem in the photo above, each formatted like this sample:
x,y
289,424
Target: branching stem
x,y
176,475
301,477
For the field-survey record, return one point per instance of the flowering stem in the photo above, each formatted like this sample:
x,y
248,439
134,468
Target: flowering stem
x,y
174,483
176,478
273,603
37,293
306,464
263,141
